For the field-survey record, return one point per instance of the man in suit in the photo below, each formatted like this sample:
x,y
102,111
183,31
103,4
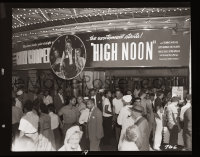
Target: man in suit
x,y
143,128
95,126
187,129
59,100
97,98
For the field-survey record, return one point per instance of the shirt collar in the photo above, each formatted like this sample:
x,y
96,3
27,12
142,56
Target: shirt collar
x,y
138,118
50,113
92,109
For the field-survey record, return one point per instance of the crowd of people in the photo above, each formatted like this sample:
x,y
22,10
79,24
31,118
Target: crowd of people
x,y
139,120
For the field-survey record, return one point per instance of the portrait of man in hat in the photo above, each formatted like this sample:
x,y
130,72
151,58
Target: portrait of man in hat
x,y
68,64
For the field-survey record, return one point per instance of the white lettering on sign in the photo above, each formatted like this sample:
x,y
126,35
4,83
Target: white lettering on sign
x,y
36,56
104,52
130,51
138,51
21,57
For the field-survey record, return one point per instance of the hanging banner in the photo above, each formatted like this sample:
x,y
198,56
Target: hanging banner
x,y
139,48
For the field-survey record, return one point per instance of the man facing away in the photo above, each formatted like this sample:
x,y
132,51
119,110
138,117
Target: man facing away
x,y
95,126
143,128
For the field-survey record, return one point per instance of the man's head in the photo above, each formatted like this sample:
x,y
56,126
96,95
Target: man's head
x,y
189,98
90,103
175,99
72,101
142,94
160,94
28,106
60,91
108,94
137,101
137,110
78,52
127,99
118,94
152,96
51,108
56,54
79,99
68,43
92,92
129,92
47,92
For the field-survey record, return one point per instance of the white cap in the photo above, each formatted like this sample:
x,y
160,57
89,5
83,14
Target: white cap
x,y
19,92
127,98
71,131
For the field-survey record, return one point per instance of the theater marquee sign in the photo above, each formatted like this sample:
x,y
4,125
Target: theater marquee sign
x,y
140,48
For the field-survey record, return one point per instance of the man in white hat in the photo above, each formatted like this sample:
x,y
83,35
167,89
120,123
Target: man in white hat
x,y
124,114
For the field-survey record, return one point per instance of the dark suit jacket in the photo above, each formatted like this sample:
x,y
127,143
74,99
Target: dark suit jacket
x,y
95,125
150,114
188,121
99,101
57,102
143,134
187,129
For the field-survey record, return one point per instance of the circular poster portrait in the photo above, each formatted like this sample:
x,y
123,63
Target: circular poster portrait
x,y
67,56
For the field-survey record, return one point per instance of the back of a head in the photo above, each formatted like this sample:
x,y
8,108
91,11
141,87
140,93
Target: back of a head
x,y
131,133
43,108
28,105
51,108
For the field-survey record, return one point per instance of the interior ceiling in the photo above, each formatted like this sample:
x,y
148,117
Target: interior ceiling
x,y
36,23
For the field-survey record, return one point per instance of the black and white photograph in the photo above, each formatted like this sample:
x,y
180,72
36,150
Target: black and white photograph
x,y
101,79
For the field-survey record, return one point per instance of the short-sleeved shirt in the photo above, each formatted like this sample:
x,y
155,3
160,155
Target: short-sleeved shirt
x,y
106,102
29,123
70,114
118,104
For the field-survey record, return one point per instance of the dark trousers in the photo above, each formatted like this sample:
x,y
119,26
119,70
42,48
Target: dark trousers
x,y
58,138
187,138
84,143
117,129
66,126
173,140
107,127
15,131
152,130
